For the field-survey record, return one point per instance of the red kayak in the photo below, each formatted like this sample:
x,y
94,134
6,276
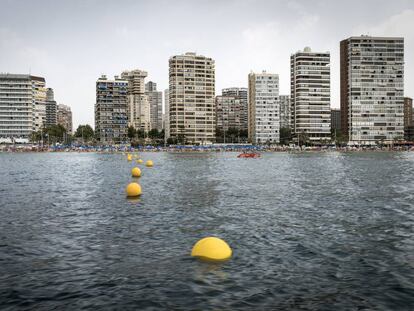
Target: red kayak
x,y
249,155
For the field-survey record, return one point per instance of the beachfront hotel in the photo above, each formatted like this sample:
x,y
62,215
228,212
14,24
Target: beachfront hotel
x,y
191,98
263,111
310,95
372,89
111,110
22,105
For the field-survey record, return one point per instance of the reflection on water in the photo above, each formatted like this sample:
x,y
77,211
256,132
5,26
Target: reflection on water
x,y
328,231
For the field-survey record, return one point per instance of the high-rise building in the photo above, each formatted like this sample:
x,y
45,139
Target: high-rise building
x,y
372,89
22,105
111,118
336,119
138,108
264,119
408,111
241,94
64,117
155,102
231,110
285,114
191,98
310,95
167,113
51,108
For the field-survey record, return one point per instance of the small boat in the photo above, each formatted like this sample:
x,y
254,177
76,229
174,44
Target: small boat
x,y
249,155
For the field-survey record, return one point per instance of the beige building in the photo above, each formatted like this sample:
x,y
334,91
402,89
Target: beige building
x,y
64,117
138,109
191,98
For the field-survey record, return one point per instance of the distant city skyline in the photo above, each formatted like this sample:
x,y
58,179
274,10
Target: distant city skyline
x,y
72,43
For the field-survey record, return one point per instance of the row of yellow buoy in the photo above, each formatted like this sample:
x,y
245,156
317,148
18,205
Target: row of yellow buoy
x,y
207,249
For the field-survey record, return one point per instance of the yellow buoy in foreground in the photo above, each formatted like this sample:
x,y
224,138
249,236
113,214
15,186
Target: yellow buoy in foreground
x,y
211,249
140,161
136,172
133,190
149,163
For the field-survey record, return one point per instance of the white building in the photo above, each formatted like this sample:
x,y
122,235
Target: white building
x,y
263,116
310,95
372,89
22,105
139,111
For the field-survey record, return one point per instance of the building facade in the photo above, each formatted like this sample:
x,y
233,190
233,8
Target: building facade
x,y
138,108
155,103
111,119
191,98
241,94
64,117
263,115
408,111
310,95
51,108
285,114
167,113
22,105
336,119
372,89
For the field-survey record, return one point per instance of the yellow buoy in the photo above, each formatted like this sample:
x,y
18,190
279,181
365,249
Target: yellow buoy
x,y
129,158
149,163
140,161
136,172
133,190
211,249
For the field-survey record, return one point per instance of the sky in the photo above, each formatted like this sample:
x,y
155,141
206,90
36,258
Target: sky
x,y
72,43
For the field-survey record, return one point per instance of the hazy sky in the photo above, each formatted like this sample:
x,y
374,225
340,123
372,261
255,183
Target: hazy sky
x,y
71,43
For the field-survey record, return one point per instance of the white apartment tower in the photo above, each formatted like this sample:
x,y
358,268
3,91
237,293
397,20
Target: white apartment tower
x,y
138,109
372,89
310,95
22,105
167,113
263,116
191,98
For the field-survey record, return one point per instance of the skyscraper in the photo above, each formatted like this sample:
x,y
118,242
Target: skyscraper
x,y
372,89
64,117
310,95
51,112
138,108
111,110
191,98
155,103
22,105
264,118
336,119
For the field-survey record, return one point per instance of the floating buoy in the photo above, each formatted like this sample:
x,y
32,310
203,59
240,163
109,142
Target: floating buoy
x,y
136,172
140,161
149,163
129,158
133,190
211,249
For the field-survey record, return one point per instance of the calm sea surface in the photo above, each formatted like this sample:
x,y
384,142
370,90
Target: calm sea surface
x,y
320,231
